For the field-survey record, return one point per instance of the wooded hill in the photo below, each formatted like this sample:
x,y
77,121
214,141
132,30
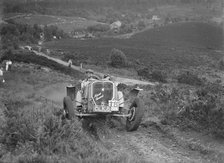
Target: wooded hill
x,y
35,5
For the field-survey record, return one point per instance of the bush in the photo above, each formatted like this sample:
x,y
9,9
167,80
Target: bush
x,y
16,130
158,76
126,28
143,72
189,78
207,111
118,58
200,109
155,75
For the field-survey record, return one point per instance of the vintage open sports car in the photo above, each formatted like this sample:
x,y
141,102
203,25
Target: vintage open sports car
x,y
101,97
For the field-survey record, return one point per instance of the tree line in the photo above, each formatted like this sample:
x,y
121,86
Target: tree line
x,y
35,5
13,34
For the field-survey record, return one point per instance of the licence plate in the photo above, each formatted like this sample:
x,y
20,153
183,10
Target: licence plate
x,y
102,109
114,108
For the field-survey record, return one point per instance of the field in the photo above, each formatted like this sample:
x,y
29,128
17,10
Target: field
x,y
180,45
67,24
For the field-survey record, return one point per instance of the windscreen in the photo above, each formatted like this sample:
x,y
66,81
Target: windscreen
x,y
102,92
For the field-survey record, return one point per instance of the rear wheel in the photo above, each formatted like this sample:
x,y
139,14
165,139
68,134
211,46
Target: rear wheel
x,y
68,107
136,110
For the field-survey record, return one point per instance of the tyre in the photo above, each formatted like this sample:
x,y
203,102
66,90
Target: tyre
x,y
136,109
68,107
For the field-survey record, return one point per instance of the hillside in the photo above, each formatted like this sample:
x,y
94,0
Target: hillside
x,y
177,60
32,129
177,45
84,5
30,126
133,14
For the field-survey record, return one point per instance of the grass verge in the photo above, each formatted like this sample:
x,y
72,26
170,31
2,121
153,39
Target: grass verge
x,y
35,134
29,57
198,108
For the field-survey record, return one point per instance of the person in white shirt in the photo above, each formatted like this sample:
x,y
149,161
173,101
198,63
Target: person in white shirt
x,y
83,92
8,65
1,75
90,76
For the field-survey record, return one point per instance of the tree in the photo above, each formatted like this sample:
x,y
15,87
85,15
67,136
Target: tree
x,y
118,58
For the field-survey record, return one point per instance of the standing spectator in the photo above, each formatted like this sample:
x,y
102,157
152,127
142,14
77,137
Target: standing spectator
x,y
1,75
8,65
69,63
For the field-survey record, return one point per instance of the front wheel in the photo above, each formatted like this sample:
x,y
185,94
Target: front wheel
x,y
68,107
136,110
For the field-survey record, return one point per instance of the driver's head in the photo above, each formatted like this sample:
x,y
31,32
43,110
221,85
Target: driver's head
x,y
106,76
89,73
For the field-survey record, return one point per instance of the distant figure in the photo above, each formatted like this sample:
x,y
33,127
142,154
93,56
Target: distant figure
x,y
69,63
8,65
1,75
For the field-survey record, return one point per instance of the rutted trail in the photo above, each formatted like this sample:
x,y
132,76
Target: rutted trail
x,y
149,145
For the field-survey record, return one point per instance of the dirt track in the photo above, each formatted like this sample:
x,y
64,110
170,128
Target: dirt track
x,y
158,144
126,81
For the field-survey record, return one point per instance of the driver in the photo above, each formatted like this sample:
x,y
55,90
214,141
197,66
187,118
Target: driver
x,y
84,83
106,77
89,74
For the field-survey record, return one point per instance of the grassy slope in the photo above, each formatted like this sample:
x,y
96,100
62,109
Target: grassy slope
x,y
29,57
31,131
177,45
